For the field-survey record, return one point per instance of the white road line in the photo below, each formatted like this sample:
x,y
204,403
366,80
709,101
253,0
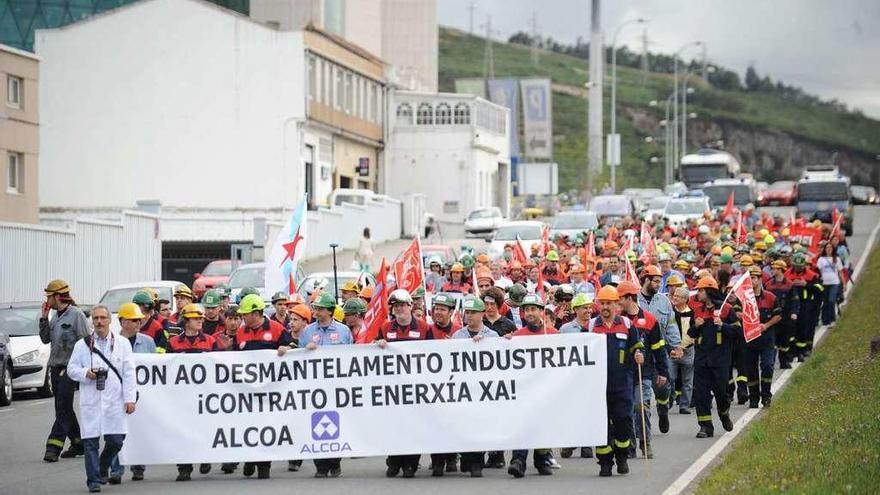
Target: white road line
x,y
679,485
7,409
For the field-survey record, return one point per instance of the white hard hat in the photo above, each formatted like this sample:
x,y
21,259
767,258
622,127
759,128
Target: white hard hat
x,y
704,229
400,296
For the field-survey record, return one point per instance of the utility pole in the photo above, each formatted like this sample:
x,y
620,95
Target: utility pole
x,y
534,25
489,54
594,123
471,7
644,56
705,65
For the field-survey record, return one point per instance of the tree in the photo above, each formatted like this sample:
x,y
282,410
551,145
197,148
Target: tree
x,y
753,82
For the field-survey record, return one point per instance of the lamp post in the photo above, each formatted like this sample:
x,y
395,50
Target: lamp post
x,y
675,99
614,159
667,142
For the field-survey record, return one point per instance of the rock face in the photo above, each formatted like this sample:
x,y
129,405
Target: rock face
x,y
768,155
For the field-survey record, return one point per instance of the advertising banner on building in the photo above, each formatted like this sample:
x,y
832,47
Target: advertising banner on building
x,y
447,396
471,86
537,118
504,92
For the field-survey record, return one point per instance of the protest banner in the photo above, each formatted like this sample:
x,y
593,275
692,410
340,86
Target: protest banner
x,y
362,400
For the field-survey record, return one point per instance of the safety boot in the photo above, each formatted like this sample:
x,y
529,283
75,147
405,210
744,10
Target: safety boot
x,y
566,452
622,464
517,468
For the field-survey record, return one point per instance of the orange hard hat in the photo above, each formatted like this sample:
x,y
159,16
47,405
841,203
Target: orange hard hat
x,y
303,311
296,299
515,265
483,258
484,272
366,292
608,294
627,288
707,283
611,245
715,250
576,268
651,271
457,267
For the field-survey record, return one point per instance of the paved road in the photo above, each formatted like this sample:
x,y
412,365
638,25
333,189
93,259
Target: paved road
x,y
24,425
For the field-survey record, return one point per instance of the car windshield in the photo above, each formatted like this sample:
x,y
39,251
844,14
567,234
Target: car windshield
x,y
657,203
218,269
685,207
113,298
697,174
331,288
613,206
20,322
719,194
488,213
823,191
525,233
782,185
357,199
247,277
581,221
426,255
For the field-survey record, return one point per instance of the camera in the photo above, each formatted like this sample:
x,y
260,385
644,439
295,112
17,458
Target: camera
x,y
100,378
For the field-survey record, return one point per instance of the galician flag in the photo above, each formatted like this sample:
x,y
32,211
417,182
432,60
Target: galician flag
x,y
287,253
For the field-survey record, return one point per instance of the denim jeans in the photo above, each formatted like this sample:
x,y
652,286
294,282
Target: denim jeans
x,y
683,369
829,305
97,465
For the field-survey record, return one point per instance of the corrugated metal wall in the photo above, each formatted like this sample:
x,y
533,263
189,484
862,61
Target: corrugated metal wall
x,y
91,257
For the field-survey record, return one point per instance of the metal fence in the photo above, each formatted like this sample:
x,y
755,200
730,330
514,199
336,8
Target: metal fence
x,y
91,256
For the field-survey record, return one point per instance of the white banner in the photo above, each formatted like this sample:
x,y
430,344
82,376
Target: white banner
x,y
537,117
361,400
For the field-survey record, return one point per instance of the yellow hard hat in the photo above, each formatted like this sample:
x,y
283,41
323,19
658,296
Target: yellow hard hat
x,y
57,286
154,295
183,290
130,311
192,311
727,250
351,286
674,281
746,261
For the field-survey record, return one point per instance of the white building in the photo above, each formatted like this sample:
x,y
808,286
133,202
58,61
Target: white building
x,y
402,32
452,147
215,117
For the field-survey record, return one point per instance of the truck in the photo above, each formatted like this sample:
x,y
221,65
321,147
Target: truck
x,y
707,165
819,194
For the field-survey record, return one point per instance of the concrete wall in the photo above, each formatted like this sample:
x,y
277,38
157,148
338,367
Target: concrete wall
x,y
19,134
175,100
91,256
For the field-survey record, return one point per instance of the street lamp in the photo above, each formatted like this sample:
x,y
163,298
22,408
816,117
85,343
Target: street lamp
x,y
675,98
614,95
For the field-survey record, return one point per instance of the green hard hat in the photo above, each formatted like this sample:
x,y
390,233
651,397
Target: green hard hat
x,y
516,293
279,296
444,299
581,299
251,303
532,300
468,261
211,299
326,301
799,260
552,256
726,258
142,297
354,306
471,303
419,292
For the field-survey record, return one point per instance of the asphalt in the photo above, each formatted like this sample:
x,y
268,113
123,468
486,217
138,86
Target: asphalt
x,y
25,424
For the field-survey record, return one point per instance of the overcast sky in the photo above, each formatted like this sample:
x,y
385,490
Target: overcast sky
x,y
827,47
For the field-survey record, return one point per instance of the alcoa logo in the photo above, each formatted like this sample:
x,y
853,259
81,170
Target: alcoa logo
x,y
325,433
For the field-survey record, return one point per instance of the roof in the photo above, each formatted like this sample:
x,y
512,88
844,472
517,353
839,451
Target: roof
x,y
16,51
344,43
707,156
729,182
149,283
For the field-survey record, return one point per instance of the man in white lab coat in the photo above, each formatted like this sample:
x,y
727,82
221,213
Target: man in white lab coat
x,y
103,357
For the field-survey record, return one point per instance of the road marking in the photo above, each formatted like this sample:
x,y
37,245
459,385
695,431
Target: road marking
x,y
7,409
679,485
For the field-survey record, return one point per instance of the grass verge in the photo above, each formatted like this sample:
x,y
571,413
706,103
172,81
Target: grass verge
x,y
822,434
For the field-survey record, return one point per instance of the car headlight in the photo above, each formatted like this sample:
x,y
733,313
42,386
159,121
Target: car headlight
x,y
26,357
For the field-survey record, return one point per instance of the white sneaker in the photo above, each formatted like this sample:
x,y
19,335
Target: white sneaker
x,y
553,464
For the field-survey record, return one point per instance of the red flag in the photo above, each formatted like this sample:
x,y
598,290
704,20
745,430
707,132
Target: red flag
x,y
456,319
751,316
810,237
545,240
539,287
591,246
631,273
377,310
741,234
836,219
728,208
408,268
519,253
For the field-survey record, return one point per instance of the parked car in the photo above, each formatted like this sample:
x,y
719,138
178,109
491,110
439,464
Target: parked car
x,y
483,221
640,195
254,275
679,211
652,209
354,196
446,253
573,222
20,322
780,193
324,280
5,371
527,231
215,273
612,206
120,294
864,195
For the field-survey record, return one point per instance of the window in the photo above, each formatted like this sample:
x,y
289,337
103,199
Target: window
x,y
349,92
425,114
462,114
404,114
364,100
380,108
313,78
14,87
340,89
374,102
325,151
14,173
326,83
444,114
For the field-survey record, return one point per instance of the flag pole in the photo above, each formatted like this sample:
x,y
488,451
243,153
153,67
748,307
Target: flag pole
x,y
333,246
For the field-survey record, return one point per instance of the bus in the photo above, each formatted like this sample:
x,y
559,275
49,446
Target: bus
x,y
819,194
706,165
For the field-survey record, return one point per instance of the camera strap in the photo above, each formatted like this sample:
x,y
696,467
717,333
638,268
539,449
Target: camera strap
x,y
101,355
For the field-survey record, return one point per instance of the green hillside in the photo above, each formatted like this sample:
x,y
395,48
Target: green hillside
x,y
461,55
